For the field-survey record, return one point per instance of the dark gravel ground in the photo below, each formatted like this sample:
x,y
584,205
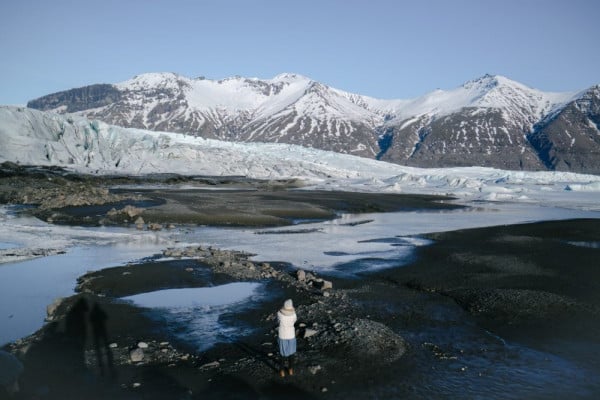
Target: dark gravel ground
x,y
535,284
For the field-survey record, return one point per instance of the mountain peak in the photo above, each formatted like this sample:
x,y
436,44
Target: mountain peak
x,y
488,82
289,77
152,80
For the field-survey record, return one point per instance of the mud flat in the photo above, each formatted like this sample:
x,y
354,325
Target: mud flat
x,y
501,312
158,201
534,284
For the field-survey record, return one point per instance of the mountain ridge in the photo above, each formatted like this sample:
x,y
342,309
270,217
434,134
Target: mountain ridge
x,y
488,121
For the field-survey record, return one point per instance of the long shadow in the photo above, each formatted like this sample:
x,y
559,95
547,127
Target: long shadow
x,y
55,365
259,354
228,387
98,318
280,390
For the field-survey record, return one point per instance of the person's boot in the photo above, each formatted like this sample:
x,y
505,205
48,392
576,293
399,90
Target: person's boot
x,y
290,365
282,373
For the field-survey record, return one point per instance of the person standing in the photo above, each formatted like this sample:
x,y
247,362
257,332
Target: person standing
x,y
286,317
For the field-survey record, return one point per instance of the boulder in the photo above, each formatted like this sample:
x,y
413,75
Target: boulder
x,y
210,365
132,211
155,226
326,285
139,221
136,355
51,308
301,275
310,332
313,369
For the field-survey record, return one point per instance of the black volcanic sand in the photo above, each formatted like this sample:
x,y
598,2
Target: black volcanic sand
x,y
537,284
63,197
534,284
235,207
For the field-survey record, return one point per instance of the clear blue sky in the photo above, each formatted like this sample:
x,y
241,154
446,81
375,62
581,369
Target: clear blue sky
x,y
380,48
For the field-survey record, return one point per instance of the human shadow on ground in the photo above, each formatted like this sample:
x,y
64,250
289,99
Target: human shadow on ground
x,y
260,355
98,318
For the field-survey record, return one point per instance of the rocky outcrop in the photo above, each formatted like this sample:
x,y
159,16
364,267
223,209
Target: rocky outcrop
x,y
570,139
327,320
79,99
49,190
470,137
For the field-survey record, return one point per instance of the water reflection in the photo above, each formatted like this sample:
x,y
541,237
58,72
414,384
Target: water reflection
x,y
27,287
591,245
196,314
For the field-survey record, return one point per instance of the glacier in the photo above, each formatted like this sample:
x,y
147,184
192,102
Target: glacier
x,y
31,137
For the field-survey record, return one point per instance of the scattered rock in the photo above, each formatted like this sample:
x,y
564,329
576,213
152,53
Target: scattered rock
x,y
301,274
313,369
210,365
51,308
310,332
136,355
131,211
325,285
155,226
142,345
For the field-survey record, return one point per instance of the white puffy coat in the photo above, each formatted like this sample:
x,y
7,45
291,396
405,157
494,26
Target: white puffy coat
x,y
286,325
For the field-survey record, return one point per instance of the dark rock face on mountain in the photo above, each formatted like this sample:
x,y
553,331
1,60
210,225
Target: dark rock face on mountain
x,y
491,121
570,139
466,138
79,99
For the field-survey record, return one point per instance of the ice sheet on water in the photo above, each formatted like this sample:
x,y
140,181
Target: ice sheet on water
x,y
195,315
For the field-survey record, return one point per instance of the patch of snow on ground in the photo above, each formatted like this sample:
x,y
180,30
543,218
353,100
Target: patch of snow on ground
x,y
195,313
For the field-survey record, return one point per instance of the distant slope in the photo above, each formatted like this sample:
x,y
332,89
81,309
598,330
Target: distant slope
x,y
569,140
491,121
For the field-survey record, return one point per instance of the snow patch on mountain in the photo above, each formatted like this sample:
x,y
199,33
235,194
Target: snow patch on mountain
x,y
486,92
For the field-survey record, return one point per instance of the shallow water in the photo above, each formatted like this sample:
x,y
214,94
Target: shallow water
x,y
351,244
486,366
195,315
386,239
451,357
27,287
476,365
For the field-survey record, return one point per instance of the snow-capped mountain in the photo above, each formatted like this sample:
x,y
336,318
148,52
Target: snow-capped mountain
x,y
491,121
484,122
569,138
